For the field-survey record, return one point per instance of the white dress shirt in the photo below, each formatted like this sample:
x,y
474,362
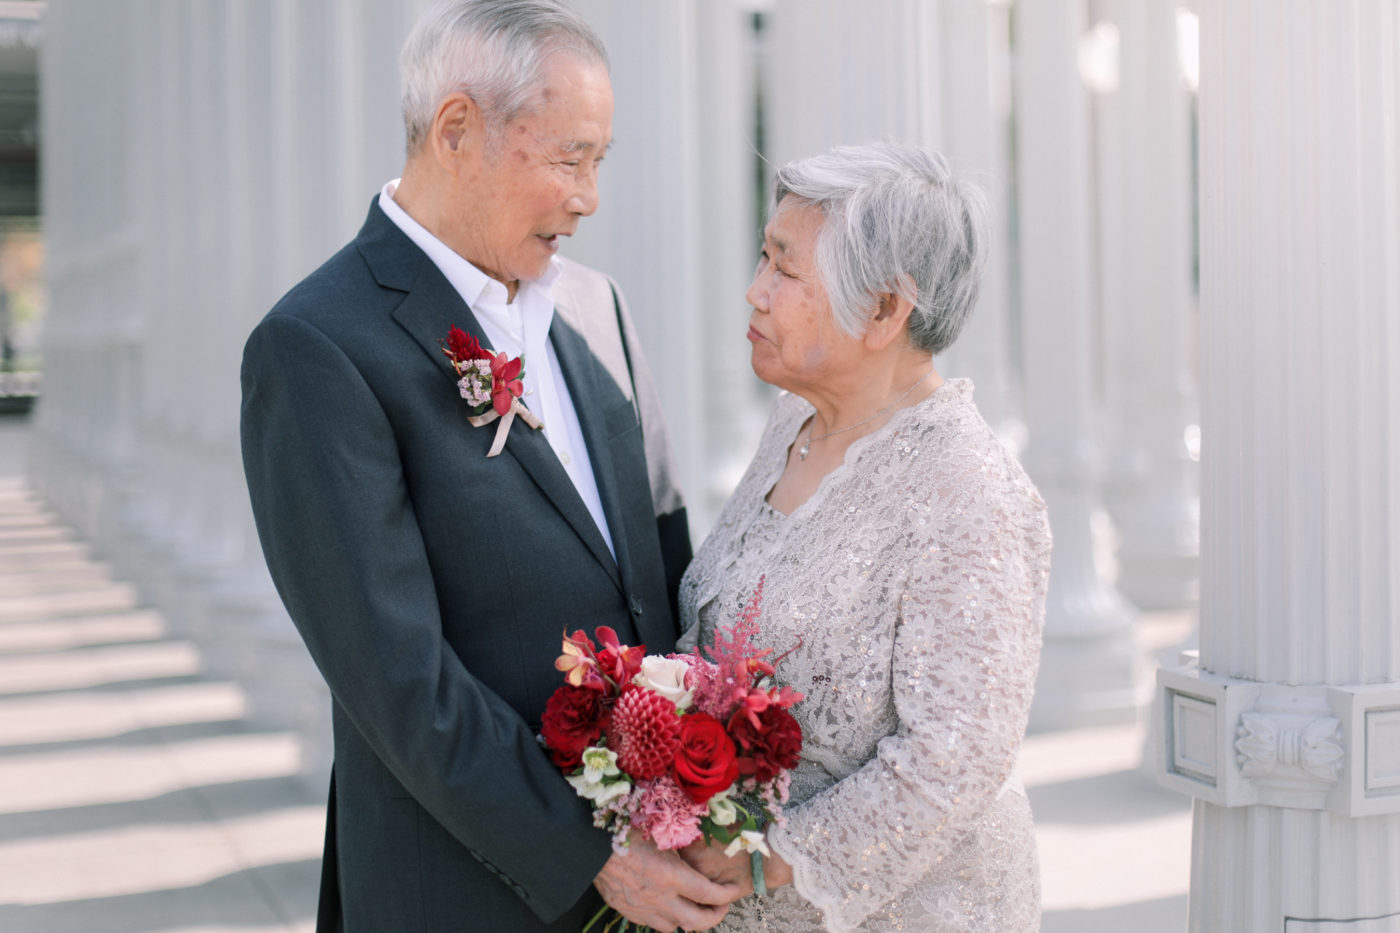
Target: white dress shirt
x,y
517,328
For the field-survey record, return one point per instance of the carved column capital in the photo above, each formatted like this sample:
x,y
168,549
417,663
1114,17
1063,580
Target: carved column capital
x,y
1237,743
1288,751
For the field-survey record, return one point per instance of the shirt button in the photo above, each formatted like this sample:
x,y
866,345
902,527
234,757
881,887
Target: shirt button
x,y
564,458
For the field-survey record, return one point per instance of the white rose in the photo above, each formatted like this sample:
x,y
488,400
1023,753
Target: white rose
x,y
722,810
665,676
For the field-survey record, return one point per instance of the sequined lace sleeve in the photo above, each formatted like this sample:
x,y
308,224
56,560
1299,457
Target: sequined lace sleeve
x,y
965,654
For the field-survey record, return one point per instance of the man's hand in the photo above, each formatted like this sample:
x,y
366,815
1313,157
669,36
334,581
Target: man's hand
x,y
659,890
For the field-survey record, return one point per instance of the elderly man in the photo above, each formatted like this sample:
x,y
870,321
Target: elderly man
x,y
431,562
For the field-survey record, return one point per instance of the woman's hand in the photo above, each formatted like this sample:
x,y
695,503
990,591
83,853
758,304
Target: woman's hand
x,y
711,862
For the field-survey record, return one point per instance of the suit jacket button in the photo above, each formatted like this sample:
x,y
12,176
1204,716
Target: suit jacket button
x,y
636,605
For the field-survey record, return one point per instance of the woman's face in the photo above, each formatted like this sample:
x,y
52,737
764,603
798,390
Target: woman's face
x,y
796,343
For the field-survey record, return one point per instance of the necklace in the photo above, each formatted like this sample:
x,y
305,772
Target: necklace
x,y
806,447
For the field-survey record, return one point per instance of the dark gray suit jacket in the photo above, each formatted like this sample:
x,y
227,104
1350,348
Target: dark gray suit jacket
x,y
432,585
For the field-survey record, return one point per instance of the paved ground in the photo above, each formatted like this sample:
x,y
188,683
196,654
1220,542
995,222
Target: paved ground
x,y
136,797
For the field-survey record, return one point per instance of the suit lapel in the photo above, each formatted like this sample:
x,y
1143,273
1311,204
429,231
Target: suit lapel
x,y
581,372
430,307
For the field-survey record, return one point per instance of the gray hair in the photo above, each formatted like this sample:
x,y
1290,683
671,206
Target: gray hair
x,y
494,50
895,220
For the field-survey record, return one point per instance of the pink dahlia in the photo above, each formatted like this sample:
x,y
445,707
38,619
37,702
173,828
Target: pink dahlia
x,y
645,733
666,815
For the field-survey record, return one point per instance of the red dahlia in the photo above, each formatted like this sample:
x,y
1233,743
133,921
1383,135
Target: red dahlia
x,y
645,733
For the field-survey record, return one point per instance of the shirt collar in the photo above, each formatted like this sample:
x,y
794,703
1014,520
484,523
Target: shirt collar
x,y
477,289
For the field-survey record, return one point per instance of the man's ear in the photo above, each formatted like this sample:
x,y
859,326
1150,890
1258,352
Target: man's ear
x,y
889,321
457,122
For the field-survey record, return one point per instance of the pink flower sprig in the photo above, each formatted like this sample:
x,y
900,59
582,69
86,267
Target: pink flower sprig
x,y
734,689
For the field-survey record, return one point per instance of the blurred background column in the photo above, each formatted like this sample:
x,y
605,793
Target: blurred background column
x,y
935,73
1288,732
647,230
976,136
86,444
241,144
1090,671
1146,241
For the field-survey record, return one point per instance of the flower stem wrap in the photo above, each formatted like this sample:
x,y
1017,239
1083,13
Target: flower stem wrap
x,y
503,429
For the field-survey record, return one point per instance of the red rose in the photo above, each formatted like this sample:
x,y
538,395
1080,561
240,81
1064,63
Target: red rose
x,y
705,762
573,718
774,745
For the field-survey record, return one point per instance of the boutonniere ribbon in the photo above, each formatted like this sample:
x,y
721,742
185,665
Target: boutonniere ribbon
x,y
491,384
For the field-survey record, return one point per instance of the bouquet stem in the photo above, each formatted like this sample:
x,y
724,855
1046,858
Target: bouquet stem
x,y
615,924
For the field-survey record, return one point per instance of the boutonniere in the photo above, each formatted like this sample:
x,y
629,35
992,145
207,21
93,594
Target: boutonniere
x,y
490,382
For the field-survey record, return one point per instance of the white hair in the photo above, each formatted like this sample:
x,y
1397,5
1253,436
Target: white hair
x,y
494,50
895,220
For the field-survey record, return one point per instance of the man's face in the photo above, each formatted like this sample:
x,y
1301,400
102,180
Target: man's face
x,y
539,175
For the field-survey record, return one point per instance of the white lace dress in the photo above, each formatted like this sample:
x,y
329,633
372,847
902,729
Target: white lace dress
x,y
914,579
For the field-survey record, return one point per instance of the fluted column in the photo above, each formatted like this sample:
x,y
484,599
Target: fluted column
x,y
1149,321
646,232
1288,732
1089,670
976,135
85,443
735,402
846,73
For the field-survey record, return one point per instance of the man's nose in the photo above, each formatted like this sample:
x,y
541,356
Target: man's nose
x,y
584,200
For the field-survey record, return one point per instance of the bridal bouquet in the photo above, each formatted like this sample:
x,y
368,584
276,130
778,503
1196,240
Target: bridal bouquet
x,y
676,746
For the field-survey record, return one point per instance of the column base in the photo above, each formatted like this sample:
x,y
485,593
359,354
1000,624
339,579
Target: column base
x,y
1086,682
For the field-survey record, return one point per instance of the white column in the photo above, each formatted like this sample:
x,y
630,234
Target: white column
x,y
85,427
647,230
735,402
1148,307
844,73
1089,671
1288,732
976,136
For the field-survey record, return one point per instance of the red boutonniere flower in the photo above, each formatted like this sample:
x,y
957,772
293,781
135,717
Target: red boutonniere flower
x,y
488,380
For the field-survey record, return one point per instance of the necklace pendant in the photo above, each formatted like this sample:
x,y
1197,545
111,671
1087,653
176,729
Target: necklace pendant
x,y
803,451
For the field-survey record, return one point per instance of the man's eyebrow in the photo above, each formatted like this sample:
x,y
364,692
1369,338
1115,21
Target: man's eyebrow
x,y
579,145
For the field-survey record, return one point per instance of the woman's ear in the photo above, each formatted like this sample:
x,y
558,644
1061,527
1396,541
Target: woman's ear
x,y
889,322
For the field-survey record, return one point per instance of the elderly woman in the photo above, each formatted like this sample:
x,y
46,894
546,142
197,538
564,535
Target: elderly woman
x,y
905,556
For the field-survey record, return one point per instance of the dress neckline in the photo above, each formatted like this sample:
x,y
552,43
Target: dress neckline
x,y
949,390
